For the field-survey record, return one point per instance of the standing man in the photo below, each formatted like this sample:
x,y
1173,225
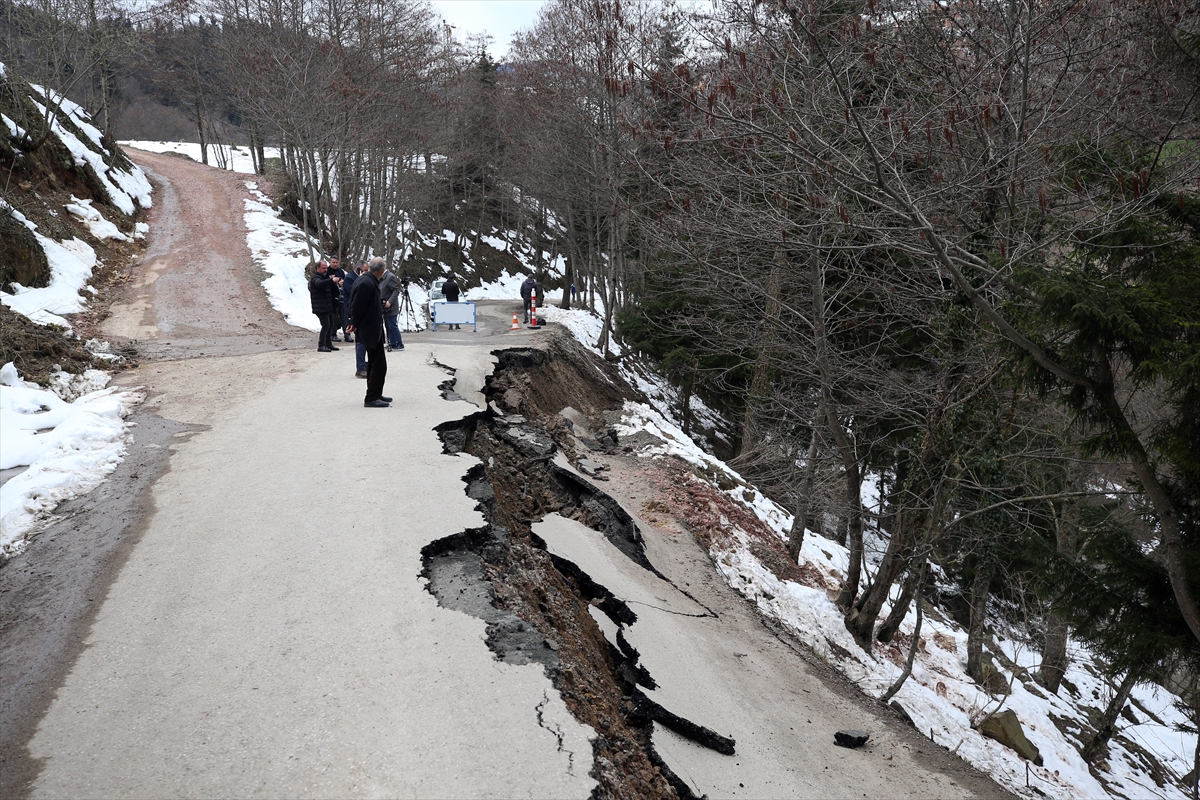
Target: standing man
x,y
339,297
360,352
390,290
321,290
366,323
450,290
527,289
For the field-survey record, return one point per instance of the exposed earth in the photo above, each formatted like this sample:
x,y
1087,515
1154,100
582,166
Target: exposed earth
x,y
281,593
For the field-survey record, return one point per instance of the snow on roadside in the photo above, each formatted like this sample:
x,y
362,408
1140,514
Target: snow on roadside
x,y
939,696
67,443
97,224
281,249
237,159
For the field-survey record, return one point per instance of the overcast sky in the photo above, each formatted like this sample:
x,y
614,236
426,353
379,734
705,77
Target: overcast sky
x,y
500,18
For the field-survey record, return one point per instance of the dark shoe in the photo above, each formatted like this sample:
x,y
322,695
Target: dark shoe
x,y
400,347
334,339
324,350
349,340
331,347
375,404
385,399
360,374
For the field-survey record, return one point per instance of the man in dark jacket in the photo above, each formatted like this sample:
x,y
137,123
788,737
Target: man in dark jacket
x,y
321,288
450,290
527,289
339,297
389,289
360,352
366,323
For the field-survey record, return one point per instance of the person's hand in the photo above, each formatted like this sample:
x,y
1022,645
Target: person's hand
x,y
387,303
350,329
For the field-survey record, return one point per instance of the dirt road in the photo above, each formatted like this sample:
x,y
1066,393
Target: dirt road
x,y
240,612
197,292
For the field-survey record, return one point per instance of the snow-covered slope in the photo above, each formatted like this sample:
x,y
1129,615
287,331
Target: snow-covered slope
x,y
60,441
117,183
1149,756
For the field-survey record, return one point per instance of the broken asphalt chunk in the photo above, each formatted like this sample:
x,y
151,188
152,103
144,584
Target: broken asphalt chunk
x,y
851,739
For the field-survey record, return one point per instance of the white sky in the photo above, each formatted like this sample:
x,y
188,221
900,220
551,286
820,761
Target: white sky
x,y
500,18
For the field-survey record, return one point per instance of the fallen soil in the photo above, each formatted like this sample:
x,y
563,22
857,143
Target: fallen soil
x,y
36,349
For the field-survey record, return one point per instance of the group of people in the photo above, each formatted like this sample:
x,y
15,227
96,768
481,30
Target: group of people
x,y
365,303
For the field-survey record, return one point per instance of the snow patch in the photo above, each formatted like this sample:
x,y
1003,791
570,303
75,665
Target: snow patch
x,y
281,249
95,222
68,437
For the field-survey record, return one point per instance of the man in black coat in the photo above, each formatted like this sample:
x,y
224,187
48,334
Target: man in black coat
x,y
528,288
321,288
366,323
450,290
339,296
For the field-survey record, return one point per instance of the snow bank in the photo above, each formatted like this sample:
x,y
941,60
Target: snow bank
x,y
97,224
236,158
67,446
939,696
281,249
506,287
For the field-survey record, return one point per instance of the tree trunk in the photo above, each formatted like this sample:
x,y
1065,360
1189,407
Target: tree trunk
x,y
198,110
1108,719
1054,654
916,636
854,526
900,610
980,591
801,523
760,382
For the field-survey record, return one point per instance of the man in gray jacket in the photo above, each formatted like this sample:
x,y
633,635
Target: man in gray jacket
x,y
389,290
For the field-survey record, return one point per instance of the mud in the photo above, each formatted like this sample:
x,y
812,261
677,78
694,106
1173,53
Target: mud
x,y
52,590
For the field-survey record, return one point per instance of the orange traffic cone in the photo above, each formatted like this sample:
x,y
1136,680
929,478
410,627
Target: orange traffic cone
x,y
533,314
516,326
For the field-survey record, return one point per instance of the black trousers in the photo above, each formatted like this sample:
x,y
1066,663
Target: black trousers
x,y
376,370
528,302
327,323
339,316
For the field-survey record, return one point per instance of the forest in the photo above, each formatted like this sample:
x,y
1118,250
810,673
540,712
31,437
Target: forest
x,y
937,265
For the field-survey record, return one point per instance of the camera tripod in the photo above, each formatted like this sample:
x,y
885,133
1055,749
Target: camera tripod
x,y
407,314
